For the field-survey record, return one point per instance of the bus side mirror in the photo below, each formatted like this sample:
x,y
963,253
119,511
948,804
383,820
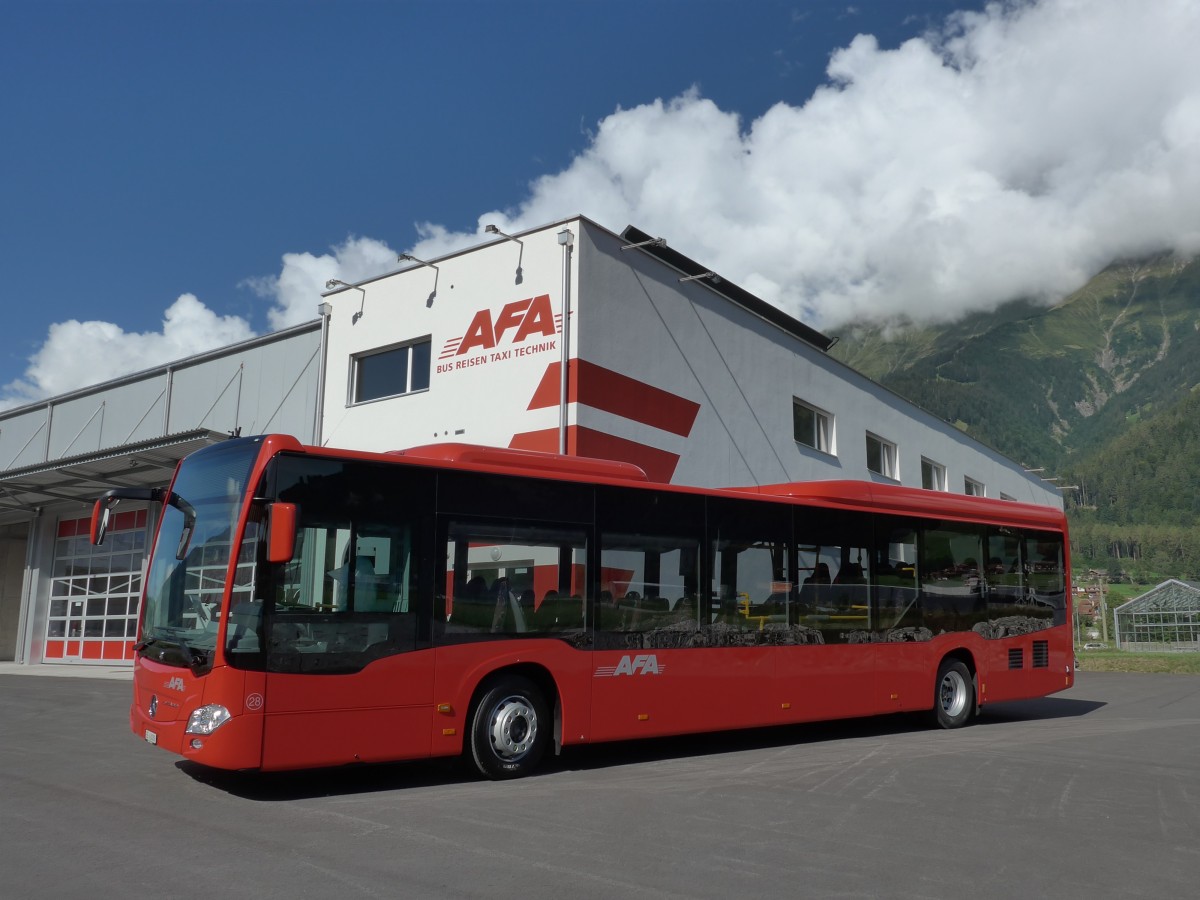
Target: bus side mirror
x,y
281,532
102,511
100,516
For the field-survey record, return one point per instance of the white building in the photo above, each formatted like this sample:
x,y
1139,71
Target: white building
x,y
669,366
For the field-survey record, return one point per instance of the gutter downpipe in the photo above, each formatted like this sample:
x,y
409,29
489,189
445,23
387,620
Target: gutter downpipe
x,y
565,240
326,310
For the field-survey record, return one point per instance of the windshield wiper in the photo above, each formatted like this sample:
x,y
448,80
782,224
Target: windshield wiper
x,y
202,615
195,659
189,522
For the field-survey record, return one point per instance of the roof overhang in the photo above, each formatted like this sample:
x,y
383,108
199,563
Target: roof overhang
x,y
85,477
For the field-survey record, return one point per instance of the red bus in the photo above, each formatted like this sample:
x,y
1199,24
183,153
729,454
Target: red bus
x,y
311,607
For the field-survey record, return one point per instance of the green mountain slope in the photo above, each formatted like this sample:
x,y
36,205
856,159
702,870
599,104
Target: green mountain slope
x,y
1099,389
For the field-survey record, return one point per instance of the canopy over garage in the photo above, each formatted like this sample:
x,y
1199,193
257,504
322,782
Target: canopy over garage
x,y
85,477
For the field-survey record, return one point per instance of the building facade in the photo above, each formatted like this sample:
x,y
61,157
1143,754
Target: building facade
x,y
668,366
665,364
64,601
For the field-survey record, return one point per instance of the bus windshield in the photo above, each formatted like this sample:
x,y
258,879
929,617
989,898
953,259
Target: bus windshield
x,y
186,585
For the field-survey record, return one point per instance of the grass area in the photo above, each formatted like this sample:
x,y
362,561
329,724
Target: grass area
x,y
1117,593
1120,661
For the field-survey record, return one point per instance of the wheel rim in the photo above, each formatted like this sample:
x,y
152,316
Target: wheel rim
x,y
952,694
513,728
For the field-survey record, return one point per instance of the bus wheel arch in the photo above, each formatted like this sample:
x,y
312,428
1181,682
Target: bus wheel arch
x,y
955,691
514,715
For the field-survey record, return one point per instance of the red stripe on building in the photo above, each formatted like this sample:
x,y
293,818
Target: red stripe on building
x,y
659,465
612,392
546,440
546,393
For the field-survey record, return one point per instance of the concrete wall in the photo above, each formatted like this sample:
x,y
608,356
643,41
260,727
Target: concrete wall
x,y
13,541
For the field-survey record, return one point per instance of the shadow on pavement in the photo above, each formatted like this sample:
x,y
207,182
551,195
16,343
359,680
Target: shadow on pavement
x,y
374,777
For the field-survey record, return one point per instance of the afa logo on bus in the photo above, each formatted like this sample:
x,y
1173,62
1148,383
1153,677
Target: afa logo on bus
x,y
642,664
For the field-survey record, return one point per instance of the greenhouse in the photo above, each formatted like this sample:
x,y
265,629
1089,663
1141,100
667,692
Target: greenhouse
x,y
1164,618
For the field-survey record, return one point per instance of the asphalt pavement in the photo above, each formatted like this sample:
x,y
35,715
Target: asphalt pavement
x,y
1092,793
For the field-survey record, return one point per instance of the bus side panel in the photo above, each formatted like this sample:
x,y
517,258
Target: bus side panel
x,y
652,693
1060,673
999,681
826,681
907,670
384,712
460,669
922,670
1029,665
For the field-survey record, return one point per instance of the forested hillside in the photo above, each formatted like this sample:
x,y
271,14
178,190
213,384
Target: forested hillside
x,y
1100,389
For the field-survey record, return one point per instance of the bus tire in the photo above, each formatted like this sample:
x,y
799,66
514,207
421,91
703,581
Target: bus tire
x,y
953,694
510,728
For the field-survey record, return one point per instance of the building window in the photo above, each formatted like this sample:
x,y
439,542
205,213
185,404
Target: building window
x,y
933,475
391,372
1004,496
812,427
973,488
881,456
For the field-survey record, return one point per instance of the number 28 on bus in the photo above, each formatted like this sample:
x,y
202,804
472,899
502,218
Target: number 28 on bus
x,y
310,607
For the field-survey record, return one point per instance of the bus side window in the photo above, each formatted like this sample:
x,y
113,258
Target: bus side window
x,y
349,595
952,590
753,589
650,557
512,578
897,596
1044,571
648,581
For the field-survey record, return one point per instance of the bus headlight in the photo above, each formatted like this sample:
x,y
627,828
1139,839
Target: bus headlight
x,y
207,719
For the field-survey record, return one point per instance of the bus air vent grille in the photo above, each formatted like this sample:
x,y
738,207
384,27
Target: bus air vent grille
x,y
1016,658
1041,654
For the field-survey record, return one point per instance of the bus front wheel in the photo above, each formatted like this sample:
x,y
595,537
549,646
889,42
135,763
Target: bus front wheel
x,y
953,694
510,728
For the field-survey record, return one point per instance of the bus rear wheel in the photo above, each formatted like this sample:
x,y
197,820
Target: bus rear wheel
x,y
953,694
509,729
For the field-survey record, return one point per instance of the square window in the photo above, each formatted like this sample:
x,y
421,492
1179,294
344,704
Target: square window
x,y
881,456
933,475
973,488
812,427
391,372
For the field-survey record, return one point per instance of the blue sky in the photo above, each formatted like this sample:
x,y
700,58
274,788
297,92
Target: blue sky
x,y
153,150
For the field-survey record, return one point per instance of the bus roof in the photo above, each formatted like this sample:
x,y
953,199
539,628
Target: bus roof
x,y
864,496
524,462
894,498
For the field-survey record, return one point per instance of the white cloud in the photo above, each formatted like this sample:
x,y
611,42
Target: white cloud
x,y
77,353
296,290
1012,153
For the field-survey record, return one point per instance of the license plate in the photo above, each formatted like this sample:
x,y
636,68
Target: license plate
x,y
151,737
